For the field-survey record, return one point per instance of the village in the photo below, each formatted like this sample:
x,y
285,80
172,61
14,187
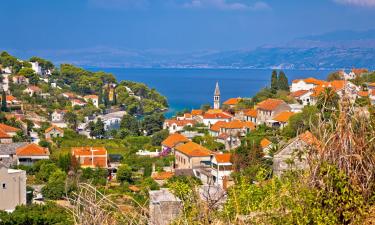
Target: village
x,y
44,120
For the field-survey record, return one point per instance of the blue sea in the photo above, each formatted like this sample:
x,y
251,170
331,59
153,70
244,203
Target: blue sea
x,y
190,88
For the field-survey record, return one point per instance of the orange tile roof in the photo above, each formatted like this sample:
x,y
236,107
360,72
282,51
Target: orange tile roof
x,y
223,158
283,116
265,143
134,188
237,124
162,175
172,140
336,85
86,151
359,71
196,112
54,127
216,127
270,104
299,93
8,129
371,84
193,150
180,123
217,116
187,115
310,80
213,111
34,88
32,150
4,135
9,98
232,101
363,93
252,113
91,97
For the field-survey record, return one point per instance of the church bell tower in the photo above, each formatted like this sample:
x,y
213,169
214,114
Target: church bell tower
x,y
217,97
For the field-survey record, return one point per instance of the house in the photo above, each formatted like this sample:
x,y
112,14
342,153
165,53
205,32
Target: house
x,y
341,87
12,188
281,120
251,115
78,102
36,67
53,132
58,116
93,98
359,71
214,130
305,84
174,125
302,96
266,145
268,109
186,116
68,95
172,141
161,177
211,118
27,155
11,101
9,130
8,157
222,168
232,102
191,155
293,155
32,90
20,80
237,128
112,120
164,207
5,138
91,156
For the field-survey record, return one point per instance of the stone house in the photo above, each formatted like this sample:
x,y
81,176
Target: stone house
x,y
191,155
268,109
12,188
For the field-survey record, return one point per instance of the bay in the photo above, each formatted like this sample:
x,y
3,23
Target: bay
x,y
190,88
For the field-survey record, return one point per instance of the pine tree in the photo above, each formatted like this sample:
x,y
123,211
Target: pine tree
x,y
274,81
283,82
4,107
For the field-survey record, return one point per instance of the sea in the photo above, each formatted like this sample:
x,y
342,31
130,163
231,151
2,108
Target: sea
x,y
191,88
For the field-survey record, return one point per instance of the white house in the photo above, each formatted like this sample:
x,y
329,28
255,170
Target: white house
x,y
305,84
12,188
112,120
222,168
211,118
32,90
173,125
27,155
303,96
37,69
93,98
78,102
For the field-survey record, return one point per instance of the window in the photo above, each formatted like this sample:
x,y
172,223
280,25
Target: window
x,y
4,186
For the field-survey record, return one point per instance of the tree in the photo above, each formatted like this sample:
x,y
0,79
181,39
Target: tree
x,y
327,102
274,81
283,82
153,123
124,173
158,137
72,119
131,124
99,130
4,106
45,171
301,122
55,187
334,76
29,73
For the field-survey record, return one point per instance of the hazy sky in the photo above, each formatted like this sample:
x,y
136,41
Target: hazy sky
x,y
178,25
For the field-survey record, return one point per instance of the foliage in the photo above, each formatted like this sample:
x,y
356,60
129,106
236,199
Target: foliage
x,y
29,73
45,171
130,124
334,76
4,106
95,176
274,81
153,123
209,142
282,82
48,214
301,122
55,187
158,137
124,173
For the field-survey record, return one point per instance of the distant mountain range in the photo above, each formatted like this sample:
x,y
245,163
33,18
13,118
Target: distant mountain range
x,y
341,49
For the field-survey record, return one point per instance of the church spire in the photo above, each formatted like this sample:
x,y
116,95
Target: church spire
x,y
217,96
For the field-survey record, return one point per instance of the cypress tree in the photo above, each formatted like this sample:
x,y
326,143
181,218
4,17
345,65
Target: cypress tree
x,y
283,82
274,81
4,107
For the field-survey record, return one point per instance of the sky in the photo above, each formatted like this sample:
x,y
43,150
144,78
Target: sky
x,y
173,25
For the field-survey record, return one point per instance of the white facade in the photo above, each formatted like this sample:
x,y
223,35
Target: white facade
x,y
301,85
12,188
57,116
37,69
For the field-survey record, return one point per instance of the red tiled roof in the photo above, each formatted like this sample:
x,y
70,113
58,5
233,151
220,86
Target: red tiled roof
x,y
172,140
216,127
265,143
8,129
217,116
98,162
34,88
91,97
180,123
192,149
162,175
270,104
359,71
32,150
252,113
363,93
223,158
299,93
310,80
283,117
86,151
54,127
232,101
4,135
196,112
308,138
371,84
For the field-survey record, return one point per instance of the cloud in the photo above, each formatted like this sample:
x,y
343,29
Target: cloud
x,y
362,3
225,5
